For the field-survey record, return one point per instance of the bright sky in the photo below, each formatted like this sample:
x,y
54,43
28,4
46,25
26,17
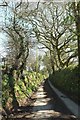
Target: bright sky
x,y
2,45
2,36
39,0
27,0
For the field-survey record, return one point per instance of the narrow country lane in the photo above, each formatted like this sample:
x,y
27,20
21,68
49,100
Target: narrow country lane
x,y
46,106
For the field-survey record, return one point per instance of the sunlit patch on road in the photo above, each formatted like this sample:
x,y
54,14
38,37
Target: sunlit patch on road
x,y
45,107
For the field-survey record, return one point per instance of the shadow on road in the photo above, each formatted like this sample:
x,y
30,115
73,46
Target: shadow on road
x,y
51,107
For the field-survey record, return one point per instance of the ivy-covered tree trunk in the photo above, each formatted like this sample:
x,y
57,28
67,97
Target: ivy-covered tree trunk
x,y
52,62
76,8
11,83
78,32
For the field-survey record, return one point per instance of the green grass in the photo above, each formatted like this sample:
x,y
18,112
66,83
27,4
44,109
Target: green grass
x,y
67,81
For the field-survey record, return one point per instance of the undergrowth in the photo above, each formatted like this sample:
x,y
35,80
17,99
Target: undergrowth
x,y
23,88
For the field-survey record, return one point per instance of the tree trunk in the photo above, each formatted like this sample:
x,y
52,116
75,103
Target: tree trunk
x,y
76,7
78,32
53,69
12,91
52,62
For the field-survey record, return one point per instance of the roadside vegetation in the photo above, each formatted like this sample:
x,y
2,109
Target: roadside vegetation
x,y
23,88
67,81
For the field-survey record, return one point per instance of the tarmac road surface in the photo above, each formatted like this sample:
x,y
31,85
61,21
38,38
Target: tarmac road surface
x,y
45,106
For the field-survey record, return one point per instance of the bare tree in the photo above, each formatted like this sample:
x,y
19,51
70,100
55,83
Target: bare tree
x,y
51,28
